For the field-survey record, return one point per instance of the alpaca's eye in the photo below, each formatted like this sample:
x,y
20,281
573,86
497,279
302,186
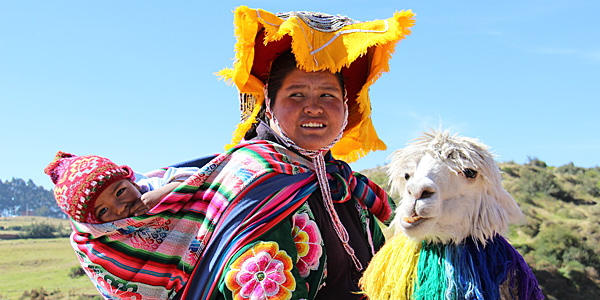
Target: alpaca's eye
x,y
470,173
406,176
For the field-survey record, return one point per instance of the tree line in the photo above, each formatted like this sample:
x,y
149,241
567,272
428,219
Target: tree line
x,y
21,198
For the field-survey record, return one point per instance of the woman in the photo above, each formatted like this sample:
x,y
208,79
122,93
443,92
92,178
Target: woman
x,y
304,226
279,215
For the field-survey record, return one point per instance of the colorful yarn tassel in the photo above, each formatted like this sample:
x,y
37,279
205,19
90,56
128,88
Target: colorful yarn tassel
x,y
469,270
392,272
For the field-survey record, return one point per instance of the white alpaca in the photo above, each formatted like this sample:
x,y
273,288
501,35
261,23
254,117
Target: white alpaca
x,y
447,233
443,177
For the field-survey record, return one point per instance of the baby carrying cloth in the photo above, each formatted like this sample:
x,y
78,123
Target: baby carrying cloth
x,y
152,256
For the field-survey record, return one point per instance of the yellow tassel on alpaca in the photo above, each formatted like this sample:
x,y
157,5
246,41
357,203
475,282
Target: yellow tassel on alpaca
x,y
392,272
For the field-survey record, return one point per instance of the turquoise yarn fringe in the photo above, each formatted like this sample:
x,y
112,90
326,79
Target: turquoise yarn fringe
x,y
472,271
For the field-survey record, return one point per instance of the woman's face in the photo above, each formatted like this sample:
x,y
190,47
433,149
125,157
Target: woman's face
x,y
310,108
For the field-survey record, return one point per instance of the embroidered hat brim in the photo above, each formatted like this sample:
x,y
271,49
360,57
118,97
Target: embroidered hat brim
x,y
360,50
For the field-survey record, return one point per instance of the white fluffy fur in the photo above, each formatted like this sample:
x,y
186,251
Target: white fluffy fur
x,y
453,206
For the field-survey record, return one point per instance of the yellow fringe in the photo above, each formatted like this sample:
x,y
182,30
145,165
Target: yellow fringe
x,y
340,52
392,272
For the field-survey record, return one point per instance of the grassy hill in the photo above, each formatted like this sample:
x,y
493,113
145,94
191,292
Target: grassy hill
x,y
561,236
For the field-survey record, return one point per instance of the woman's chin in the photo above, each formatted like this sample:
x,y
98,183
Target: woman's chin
x,y
313,144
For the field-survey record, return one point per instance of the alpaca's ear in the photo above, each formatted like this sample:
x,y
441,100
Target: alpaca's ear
x,y
513,212
489,219
497,210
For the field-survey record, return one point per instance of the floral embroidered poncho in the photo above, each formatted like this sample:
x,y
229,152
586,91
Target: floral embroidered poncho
x,y
278,251
241,225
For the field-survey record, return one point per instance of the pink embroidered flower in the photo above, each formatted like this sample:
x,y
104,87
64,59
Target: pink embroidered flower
x,y
308,243
262,272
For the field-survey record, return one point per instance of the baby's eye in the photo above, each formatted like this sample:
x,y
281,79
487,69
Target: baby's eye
x,y
102,212
120,192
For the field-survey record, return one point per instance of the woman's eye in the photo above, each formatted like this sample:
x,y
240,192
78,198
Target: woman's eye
x,y
470,173
120,192
296,95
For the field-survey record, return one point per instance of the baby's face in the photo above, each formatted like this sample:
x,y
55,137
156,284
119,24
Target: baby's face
x,y
119,200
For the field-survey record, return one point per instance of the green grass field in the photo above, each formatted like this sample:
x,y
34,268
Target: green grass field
x,y
28,264
23,221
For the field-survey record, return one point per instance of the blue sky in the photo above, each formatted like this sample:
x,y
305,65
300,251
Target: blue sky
x,y
133,80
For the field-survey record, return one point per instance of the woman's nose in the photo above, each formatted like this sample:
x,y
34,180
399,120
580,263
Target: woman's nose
x,y
313,105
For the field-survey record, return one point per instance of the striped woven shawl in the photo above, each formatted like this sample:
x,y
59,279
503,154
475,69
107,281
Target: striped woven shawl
x,y
202,222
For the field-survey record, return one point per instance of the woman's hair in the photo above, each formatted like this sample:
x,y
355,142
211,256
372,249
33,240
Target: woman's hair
x,y
281,67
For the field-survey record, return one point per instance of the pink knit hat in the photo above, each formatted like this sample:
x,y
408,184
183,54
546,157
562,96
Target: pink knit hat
x,y
80,179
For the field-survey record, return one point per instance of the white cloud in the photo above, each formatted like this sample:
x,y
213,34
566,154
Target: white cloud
x,y
592,55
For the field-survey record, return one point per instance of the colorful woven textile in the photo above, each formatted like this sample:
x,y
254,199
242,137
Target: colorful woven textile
x,y
404,269
265,205
200,224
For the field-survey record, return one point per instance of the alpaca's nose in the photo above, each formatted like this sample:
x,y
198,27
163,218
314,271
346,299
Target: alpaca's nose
x,y
422,189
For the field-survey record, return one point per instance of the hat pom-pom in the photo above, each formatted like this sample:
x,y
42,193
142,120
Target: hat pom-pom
x,y
129,172
52,169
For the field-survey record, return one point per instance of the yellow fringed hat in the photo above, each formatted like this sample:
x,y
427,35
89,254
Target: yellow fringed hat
x,y
360,50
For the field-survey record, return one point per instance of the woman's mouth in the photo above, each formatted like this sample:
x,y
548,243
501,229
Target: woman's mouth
x,y
312,125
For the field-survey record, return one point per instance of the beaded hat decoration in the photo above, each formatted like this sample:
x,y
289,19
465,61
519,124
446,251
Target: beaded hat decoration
x,y
80,179
360,50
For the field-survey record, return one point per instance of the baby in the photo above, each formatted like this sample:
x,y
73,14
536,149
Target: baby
x,y
93,189
149,257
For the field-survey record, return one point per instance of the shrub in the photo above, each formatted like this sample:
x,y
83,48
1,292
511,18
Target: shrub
x,y
534,181
532,227
38,231
40,294
510,171
557,247
535,162
570,168
76,272
591,187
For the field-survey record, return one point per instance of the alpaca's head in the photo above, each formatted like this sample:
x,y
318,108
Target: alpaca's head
x,y
450,189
